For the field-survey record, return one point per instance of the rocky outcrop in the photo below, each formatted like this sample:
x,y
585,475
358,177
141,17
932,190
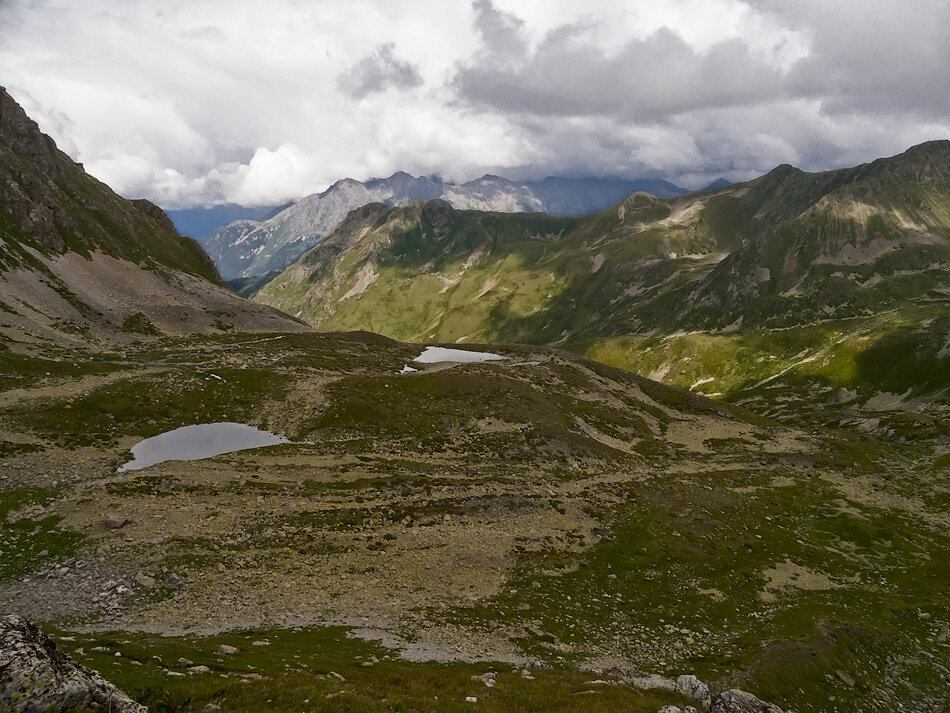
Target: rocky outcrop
x,y
693,689
35,676
697,692
736,701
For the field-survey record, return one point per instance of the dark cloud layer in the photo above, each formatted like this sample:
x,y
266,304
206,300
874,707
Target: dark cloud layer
x,y
378,72
878,58
647,80
888,61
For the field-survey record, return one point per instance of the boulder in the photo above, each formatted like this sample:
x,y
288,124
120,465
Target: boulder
x,y
651,682
693,689
736,701
144,580
115,521
35,676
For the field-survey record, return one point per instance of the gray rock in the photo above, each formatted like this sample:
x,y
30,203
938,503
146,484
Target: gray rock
x,y
669,709
145,581
114,521
846,678
651,682
736,701
36,676
228,650
693,689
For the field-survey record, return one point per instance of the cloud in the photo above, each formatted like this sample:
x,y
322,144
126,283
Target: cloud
x,y
378,72
501,32
877,60
186,105
646,80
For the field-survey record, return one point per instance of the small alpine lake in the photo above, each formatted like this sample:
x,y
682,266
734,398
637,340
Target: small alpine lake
x,y
202,440
436,355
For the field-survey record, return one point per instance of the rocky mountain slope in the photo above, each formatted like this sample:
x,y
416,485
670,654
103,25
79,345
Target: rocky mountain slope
x,y
248,248
80,263
204,220
823,276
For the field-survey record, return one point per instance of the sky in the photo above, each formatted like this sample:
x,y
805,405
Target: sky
x,y
201,102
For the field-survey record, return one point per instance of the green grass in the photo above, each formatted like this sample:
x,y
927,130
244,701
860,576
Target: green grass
x,y
671,540
151,405
18,370
30,542
323,670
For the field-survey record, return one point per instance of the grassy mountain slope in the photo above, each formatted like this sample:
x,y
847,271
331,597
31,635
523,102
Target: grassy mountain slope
x,y
779,262
78,261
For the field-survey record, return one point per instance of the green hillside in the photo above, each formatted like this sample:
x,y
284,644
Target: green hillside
x,y
825,270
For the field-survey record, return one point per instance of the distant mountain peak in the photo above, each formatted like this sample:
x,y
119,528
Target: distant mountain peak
x,y
716,184
242,251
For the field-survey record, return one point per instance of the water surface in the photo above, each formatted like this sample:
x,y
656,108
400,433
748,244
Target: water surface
x,y
435,355
203,440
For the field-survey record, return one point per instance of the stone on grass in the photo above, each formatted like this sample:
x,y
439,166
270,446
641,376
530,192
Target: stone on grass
x,y
144,580
736,701
693,689
115,521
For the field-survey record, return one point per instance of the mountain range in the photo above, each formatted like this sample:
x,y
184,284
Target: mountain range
x,y
201,221
672,287
252,248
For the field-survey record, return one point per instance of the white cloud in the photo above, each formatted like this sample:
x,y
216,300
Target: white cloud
x,y
195,103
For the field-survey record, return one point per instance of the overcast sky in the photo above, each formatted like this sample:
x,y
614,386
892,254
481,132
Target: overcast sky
x,y
198,102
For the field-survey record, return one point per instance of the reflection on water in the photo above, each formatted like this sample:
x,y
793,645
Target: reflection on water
x,y
201,441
